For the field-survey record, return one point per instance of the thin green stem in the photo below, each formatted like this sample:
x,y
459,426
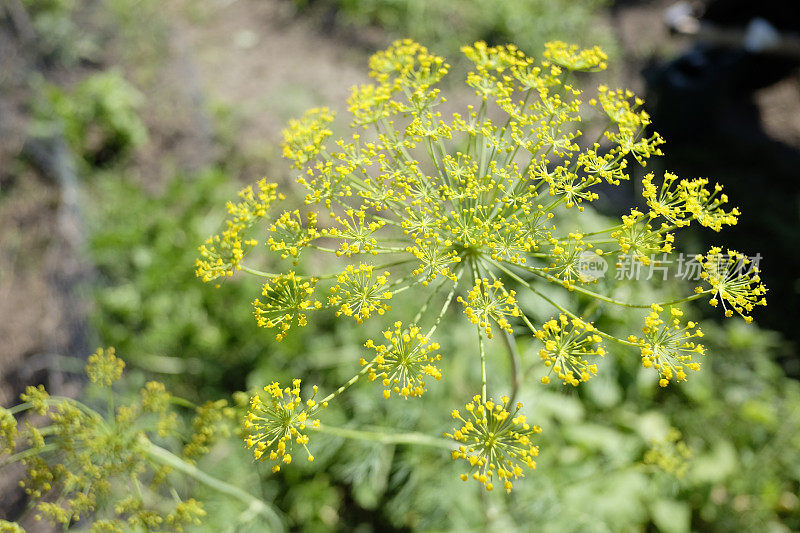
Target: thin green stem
x,y
447,301
165,457
593,294
386,437
347,385
19,408
26,453
257,272
183,402
483,365
514,363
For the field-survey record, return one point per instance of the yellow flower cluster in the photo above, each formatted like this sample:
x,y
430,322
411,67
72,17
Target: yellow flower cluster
x,y
356,234
403,364
290,236
670,454
496,442
567,343
568,260
8,431
476,206
639,240
222,253
681,201
303,139
104,368
77,462
284,302
490,301
733,279
359,293
276,423
668,346
572,58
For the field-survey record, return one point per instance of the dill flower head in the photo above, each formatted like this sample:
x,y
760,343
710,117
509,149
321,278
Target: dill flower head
x,y
284,301
75,467
104,368
221,254
155,398
567,343
639,240
38,397
8,431
303,139
359,292
10,527
277,422
489,302
669,345
479,205
403,364
670,454
290,235
496,442
734,281
681,201
571,57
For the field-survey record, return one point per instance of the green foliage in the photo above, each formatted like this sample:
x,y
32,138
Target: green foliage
x,y
148,304
98,117
103,463
450,23
57,34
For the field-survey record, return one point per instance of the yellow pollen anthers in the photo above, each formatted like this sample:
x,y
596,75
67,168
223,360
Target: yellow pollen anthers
x,y
356,234
496,442
290,236
623,109
490,301
359,292
637,238
407,64
569,262
436,259
566,345
572,58
403,364
669,345
735,282
104,367
220,254
284,301
278,419
680,202
303,138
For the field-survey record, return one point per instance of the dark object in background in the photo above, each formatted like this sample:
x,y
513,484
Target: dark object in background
x,y
703,103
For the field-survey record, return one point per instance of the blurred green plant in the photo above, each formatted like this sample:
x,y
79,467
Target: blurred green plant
x,y
103,463
98,116
147,303
58,37
447,24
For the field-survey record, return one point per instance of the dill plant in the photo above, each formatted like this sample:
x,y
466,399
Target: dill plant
x,y
110,467
468,213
